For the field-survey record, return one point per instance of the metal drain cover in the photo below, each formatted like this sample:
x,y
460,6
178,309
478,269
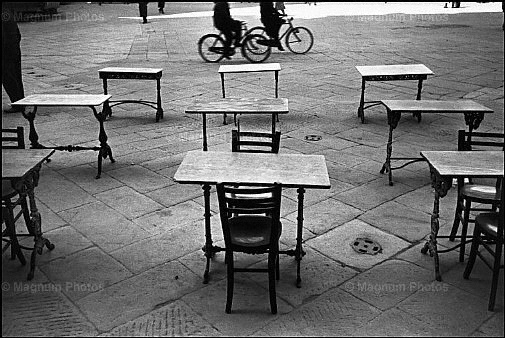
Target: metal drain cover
x,y
366,246
313,137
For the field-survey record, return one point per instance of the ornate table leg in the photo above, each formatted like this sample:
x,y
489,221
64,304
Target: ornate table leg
x,y
105,149
393,119
33,136
159,110
299,253
361,108
418,97
473,120
26,187
106,108
207,249
441,185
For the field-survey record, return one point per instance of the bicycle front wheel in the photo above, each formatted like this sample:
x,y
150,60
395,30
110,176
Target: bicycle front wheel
x,y
299,40
255,48
211,48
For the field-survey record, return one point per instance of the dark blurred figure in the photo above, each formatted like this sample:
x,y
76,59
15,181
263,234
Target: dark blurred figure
x,y
272,20
161,7
455,4
12,78
232,29
143,11
279,6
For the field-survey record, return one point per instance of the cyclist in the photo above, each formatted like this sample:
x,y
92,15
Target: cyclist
x,y
272,20
232,29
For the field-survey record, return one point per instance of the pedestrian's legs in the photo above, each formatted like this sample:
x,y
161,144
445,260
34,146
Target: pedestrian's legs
x,y
12,78
143,11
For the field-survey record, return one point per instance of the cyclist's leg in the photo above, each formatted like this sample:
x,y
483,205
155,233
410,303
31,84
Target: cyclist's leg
x,y
228,35
237,30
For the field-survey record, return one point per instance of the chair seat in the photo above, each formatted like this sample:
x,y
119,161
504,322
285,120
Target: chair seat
x,y
265,195
488,223
251,231
480,192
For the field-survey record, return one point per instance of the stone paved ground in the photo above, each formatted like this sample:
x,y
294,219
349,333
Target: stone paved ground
x,y
128,257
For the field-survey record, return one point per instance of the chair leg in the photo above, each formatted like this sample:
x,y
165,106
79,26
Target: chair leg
x,y
496,274
458,215
272,258
8,217
26,215
230,280
464,230
473,253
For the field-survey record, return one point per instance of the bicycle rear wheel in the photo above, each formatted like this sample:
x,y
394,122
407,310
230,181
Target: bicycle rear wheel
x,y
211,48
257,30
253,51
299,40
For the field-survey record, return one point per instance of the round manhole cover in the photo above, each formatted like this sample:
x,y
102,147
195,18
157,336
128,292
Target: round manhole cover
x,y
366,246
313,137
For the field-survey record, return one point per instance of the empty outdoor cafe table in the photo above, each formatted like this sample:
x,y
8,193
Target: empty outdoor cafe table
x,y
473,113
250,68
237,168
417,72
248,105
21,167
69,100
444,167
133,73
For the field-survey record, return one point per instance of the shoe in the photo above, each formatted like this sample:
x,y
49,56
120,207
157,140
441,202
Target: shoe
x,y
279,46
12,110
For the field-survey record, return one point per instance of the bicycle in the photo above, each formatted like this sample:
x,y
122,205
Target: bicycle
x,y
298,40
211,46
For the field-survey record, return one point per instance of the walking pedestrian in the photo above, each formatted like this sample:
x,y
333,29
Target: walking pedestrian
x,y
143,11
161,7
12,78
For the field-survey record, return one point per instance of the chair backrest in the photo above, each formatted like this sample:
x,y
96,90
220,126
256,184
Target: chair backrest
x,y
13,138
479,141
236,202
471,140
255,142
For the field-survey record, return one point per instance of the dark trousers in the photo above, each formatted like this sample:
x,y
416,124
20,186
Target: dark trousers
x,y
12,78
143,9
233,31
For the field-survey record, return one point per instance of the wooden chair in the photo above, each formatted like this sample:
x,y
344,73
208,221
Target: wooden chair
x,y
488,227
247,229
479,193
254,142
13,138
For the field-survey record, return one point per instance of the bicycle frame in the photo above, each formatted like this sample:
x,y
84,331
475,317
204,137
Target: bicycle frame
x,y
289,22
